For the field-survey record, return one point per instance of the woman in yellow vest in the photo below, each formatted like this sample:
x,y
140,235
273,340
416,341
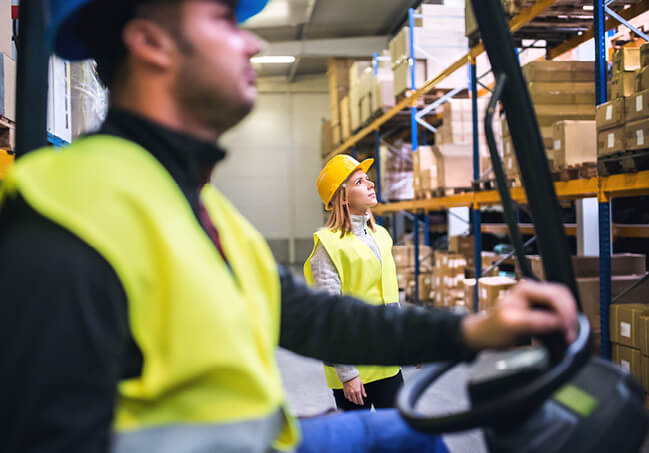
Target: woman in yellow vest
x,y
353,256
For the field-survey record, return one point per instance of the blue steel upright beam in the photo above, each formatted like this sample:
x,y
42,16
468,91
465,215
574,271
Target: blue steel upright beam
x,y
415,140
477,232
377,163
604,206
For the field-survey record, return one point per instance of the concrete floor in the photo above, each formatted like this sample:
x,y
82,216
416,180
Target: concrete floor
x,y
308,394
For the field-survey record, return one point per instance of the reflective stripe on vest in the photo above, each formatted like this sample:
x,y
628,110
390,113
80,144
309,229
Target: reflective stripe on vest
x,y
207,334
249,436
361,275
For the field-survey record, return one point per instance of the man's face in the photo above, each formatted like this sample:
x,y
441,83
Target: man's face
x,y
216,82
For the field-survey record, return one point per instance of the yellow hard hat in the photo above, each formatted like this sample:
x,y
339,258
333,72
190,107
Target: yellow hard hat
x,y
335,173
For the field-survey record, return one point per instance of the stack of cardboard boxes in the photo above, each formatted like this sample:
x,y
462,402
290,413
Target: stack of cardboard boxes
x,y
629,328
512,8
457,123
326,138
438,43
575,143
369,94
621,122
7,89
404,258
396,171
560,90
626,269
441,167
338,76
449,279
492,289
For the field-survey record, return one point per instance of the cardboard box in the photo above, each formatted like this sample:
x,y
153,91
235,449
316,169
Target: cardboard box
x,y
623,84
383,98
644,335
366,110
611,114
6,28
588,266
628,359
402,79
491,289
8,91
463,245
548,114
636,106
326,138
345,120
575,142
356,70
336,133
642,79
644,55
610,141
469,293
636,135
590,297
559,71
452,164
428,179
425,285
423,159
626,59
625,324
354,110
404,257
562,92
644,363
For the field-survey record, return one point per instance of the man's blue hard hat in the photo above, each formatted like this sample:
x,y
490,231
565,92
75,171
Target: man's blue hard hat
x,y
63,31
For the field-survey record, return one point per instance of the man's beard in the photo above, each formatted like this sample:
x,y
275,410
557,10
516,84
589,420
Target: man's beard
x,y
219,111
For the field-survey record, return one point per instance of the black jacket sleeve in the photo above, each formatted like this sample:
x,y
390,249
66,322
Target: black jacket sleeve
x,y
341,329
63,332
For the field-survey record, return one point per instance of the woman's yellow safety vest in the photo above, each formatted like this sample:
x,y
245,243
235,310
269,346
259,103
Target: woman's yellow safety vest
x,y
207,334
362,276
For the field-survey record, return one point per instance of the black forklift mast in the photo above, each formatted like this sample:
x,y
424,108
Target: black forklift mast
x,y
31,91
528,145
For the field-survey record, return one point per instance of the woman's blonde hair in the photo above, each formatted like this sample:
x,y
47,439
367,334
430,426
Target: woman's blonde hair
x,y
340,218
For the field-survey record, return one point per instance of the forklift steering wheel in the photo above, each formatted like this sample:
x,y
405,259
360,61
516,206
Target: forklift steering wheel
x,y
518,402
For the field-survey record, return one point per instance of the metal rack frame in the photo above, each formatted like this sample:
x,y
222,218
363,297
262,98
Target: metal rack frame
x,y
604,188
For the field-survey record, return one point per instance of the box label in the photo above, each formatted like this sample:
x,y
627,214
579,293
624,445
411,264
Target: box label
x,y
611,140
640,137
483,293
625,329
626,366
638,103
557,144
509,163
609,112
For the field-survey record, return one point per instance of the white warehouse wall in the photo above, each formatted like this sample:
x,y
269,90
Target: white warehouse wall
x,y
273,163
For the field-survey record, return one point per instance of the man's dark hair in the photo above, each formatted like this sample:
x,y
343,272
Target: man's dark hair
x,y
102,23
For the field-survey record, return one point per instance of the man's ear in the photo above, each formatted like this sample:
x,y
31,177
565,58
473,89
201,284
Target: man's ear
x,y
150,43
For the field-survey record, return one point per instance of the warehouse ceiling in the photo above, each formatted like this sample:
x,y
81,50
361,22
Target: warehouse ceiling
x,y
326,24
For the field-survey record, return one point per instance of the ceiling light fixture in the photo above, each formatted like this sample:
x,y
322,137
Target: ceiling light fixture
x,y
273,59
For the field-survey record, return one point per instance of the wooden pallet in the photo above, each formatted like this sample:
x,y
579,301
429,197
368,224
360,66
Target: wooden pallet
x,y
584,170
624,162
7,134
490,184
441,192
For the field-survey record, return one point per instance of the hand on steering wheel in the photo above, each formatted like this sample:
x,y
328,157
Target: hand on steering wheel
x,y
531,308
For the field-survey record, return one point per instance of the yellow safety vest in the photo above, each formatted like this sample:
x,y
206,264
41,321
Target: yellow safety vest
x,y
207,334
362,276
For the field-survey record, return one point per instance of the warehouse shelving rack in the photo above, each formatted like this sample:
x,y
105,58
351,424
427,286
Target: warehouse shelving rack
x,y
603,188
